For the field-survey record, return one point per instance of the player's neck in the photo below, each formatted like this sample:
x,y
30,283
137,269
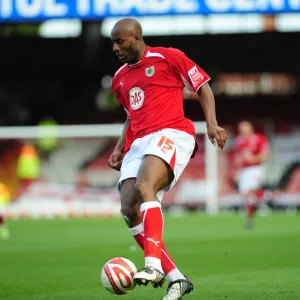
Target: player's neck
x,y
248,136
140,55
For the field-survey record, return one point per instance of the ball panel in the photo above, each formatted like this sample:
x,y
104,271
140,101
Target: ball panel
x,y
105,281
126,264
123,278
112,281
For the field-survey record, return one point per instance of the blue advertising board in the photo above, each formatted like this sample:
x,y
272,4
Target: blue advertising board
x,y
38,10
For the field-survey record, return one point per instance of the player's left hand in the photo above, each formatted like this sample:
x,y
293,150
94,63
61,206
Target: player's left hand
x,y
217,135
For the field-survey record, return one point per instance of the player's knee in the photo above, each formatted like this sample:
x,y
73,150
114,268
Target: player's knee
x,y
126,214
143,192
130,214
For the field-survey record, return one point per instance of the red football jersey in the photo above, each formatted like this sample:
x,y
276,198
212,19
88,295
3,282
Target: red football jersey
x,y
255,144
151,91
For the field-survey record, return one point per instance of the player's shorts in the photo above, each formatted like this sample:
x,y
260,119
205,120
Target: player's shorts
x,y
175,147
250,179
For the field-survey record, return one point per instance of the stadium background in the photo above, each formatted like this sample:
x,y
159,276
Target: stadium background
x,y
56,70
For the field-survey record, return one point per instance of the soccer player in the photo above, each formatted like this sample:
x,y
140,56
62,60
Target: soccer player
x,y
252,149
157,142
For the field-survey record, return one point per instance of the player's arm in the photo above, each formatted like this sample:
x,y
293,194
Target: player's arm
x,y
188,95
115,160
121,143
259,158
264,155
207,101
195,79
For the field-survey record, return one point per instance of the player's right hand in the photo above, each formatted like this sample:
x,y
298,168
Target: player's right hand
x,y
115,160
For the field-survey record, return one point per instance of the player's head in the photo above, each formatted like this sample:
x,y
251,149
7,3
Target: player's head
x,y
127,40
245,128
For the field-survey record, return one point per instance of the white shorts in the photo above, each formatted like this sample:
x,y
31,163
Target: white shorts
x,y
173,146
250,179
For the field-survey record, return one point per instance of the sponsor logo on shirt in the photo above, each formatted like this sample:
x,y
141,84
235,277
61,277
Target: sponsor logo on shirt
x,y
195,76
149,71
136,98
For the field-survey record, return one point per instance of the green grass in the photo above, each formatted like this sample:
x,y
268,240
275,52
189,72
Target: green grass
x,y
62,259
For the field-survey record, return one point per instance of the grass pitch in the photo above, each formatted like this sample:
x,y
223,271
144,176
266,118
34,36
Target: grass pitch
x,y
62,259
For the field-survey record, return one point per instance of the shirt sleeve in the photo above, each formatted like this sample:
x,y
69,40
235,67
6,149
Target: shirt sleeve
x,y
118,97
192,76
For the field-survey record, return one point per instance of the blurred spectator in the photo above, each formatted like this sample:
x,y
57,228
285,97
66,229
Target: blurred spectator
x,y
48,144
106,101
105,98
28,167
4,199
251,151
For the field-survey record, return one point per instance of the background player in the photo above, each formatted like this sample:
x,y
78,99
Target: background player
x,y
157,141
252,150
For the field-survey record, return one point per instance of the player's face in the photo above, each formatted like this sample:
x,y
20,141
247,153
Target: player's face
x,y
124,45
245,129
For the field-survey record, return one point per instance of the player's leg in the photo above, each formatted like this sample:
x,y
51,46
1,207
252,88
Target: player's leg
x,y
154,175
247,196
130,210
250,203
250,181
254,202
166,156
129,205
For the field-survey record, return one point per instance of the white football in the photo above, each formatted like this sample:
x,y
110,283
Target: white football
x,y
117,275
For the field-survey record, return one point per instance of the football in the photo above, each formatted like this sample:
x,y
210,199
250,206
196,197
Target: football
x,y
117,275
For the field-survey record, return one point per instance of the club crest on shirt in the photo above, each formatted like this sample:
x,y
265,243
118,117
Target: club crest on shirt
x,y
149,71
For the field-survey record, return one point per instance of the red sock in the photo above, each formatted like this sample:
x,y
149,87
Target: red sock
x,y
250,210
153,229
167,262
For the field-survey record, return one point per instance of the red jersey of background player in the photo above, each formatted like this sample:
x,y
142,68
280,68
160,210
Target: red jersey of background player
x,y
255,144
151,91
